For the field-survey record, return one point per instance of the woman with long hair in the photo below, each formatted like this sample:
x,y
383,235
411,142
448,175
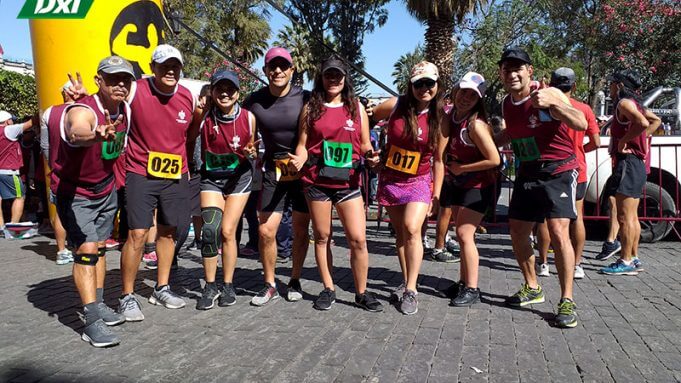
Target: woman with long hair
x,y
472,159
334,135
404,187
227,133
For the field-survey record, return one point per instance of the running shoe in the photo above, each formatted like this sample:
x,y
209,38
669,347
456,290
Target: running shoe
x,y
579,272
543,270
609,249
452,246
209,296
265,295
452,291
294,292
467,297
167,298
100,335
111,244
368,302
526,296
129,306
566,317
325,299
227,295
427,248
440,255
619,268
64,257
396,294
150,260
108,315
636,261
409,305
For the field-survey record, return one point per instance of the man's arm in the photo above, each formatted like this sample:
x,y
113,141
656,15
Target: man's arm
x,y
654,122
552,99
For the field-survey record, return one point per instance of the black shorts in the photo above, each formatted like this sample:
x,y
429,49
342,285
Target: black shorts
x,y
447,192
479,200
536,198
193,194
275,195
87,220
322,194
628,177
581,191
240,183
144,194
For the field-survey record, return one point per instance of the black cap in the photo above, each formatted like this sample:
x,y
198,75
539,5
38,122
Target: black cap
x,y
563,78
629,77
224,75
334,62
515,53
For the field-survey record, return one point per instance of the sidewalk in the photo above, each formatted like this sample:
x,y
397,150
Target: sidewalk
x,y
629,330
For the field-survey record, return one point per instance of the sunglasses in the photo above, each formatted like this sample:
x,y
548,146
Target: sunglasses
x,y
425,83
282,65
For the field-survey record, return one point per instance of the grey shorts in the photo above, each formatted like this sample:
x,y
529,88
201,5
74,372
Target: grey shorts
x,y
11,186
87,220
240,183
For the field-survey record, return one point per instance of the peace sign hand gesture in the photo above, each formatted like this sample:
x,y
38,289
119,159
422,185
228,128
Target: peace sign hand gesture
x,y
107,131
251,149
77,90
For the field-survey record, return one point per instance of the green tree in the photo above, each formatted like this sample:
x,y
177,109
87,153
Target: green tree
x,y
440,17
402,68
295,39
18,95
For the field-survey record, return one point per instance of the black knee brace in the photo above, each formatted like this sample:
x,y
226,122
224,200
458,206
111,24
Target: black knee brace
x,y
86,259
211,231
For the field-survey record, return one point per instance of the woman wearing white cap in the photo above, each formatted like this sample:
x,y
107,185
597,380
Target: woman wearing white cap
x,y
472,159
404,186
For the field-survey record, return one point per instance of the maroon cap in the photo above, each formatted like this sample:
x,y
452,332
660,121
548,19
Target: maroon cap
x,y
278,52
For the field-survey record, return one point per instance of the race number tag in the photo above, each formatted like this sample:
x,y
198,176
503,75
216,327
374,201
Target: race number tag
x,y
284,172
403,160
221,162
525,149
337,154
112,149
164,165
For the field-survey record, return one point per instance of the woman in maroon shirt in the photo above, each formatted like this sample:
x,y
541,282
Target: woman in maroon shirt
x,y
334,133
472,159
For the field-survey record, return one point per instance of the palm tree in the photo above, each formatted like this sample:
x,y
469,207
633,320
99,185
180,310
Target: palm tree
x,y
297,40
403,65
439,16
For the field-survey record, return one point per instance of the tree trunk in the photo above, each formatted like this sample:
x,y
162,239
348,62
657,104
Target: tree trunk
x,y
440,47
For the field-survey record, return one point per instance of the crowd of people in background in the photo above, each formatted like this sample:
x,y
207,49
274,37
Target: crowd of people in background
x,y
154,158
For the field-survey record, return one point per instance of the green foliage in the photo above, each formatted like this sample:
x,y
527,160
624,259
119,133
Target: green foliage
x,y
402,68
18,94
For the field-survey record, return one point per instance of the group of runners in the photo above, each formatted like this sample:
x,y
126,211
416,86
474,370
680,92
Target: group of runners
x,y
137,136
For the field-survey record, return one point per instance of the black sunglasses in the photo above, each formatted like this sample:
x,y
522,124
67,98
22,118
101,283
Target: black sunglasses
x,y
427,83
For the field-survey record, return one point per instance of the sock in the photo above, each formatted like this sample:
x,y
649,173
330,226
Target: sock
x,y
91,313
100,295
628,263
149,247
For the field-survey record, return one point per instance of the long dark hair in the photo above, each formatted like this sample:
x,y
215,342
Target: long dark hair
x,y
477,112
406,107
630,93
315,107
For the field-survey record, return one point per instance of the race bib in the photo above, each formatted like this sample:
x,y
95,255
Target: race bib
x,y
403,160
525,149
337,154
221,162
283,172
112,149
164,165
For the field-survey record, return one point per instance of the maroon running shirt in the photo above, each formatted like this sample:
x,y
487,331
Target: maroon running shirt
x,y
462,149
88,171
10,152
401,151
638,145
223,142
578,136
535,135
334,140
159,124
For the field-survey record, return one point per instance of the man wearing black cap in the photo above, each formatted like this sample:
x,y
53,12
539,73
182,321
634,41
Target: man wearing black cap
x,y
93,133
537,125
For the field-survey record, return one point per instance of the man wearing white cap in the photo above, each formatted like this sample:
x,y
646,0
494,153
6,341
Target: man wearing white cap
x,y
156,174
11,185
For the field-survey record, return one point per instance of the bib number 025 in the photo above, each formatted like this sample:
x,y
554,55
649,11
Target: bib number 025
x,y
164,165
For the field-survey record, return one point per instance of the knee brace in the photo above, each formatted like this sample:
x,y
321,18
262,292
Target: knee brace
x,y
101,252
86,259
211,231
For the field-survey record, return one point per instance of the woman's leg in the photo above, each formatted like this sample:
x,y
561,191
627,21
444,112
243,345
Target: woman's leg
x,y
233,208
467,221
351,214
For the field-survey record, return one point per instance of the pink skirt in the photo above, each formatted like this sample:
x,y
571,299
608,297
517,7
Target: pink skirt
x,y
394,192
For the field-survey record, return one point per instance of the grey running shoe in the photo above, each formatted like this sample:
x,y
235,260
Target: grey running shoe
x,y
227,295
409,305
325,299
167,298
64,256
265,295
368,302
294,292
208,297
99,335
129,306
110,317
567,316
453,246
440,255
396,294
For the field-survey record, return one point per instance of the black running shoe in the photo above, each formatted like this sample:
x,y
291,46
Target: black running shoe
x,y
368,302
452,291
208,297
609,249
227,295
325,299
467,296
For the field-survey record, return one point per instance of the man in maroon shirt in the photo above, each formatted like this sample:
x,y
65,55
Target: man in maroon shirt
x,y
537,125
93,132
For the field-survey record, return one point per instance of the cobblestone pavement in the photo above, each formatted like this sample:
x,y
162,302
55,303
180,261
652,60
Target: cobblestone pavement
x,y
629,330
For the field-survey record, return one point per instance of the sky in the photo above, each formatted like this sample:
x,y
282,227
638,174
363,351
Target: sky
x,y
381,48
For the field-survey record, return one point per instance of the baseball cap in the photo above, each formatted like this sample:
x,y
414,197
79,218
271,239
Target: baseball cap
x,y
333,62
629,77
515,53
4,116
164,52
115,64
475,81
224,75
563,78
277,52
424,69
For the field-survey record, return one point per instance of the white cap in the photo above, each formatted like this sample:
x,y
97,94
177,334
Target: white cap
x,y
164,52
4,116
475,81
424,69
